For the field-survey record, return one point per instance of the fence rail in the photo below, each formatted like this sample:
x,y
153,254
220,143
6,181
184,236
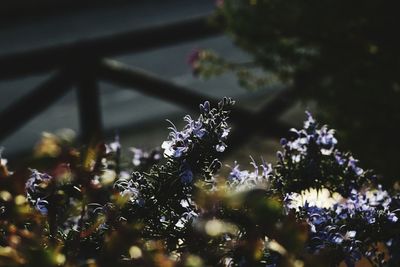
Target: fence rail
x,y
140,40
84,63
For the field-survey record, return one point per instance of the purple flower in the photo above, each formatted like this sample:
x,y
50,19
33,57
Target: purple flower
x,y
353,165
392,217
138,154
41,205
220,147
193,57
210,128
181,141
115,146
178,145
37,182
38,190
326,139
283,141
236,174
310,159
361,216
339,159
141,157
128,188
309,123
194,127
245,180
186,174
205,108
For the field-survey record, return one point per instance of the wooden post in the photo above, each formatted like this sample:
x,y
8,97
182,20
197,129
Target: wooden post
x,y
89,105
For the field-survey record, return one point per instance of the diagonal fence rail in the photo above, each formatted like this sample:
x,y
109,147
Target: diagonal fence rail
x,y
82,64
48,58
31,104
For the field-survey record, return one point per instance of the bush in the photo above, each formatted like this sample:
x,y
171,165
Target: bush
x,y
342,55
315,206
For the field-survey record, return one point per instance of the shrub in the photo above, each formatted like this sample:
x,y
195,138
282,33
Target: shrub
x,y
315,206
341,55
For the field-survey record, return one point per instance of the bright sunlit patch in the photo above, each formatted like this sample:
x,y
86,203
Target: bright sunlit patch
x,y
217,227
5,196
48,146
59,258
135,252
20,200
321,198
275,246
194,261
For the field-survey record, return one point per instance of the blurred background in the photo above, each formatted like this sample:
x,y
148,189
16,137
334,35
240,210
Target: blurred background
x,y
138,118
103,68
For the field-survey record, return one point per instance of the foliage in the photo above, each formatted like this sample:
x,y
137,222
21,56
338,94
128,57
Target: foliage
x,y
341,54
89,208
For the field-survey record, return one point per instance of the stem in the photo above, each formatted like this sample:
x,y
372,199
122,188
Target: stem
x,y
234,65
81,221
52,221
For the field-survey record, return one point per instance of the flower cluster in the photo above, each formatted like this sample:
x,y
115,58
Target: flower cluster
x,y
210,125
245,180
354,226
190,155
195,148
143,159
346,210
38,189
316,205
311,159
